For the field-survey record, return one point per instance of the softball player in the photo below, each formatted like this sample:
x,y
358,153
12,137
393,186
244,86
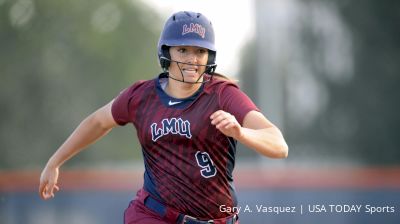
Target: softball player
x,y
188,122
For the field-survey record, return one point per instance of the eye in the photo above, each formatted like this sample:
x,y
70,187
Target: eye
x,y
202,51
182,50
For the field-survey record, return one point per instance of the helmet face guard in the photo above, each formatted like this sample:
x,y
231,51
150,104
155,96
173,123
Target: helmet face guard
x,y
187,29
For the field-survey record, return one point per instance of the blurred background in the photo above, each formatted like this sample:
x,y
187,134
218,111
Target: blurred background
x,y
325,72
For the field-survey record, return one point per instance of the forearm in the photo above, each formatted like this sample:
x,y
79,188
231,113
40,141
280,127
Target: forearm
x,y
88,131
268,142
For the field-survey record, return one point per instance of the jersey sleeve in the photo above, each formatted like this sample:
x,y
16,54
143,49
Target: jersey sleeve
x,y
236,102
120,108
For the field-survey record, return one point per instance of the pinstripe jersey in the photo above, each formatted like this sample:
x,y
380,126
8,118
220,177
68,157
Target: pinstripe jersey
x,y
188,162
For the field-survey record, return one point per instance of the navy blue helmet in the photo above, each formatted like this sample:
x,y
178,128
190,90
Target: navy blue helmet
x,y
187,29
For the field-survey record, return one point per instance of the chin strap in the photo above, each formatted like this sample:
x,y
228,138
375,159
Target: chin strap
x,y
209,67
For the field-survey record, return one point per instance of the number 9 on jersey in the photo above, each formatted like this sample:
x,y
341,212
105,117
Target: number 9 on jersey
x,y
206,164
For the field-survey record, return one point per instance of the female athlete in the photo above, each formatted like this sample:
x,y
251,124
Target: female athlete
x,y
188,121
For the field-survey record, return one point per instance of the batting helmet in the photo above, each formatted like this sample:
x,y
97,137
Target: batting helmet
x,y
187,29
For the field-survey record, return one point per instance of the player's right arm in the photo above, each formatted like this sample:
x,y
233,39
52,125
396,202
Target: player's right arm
x,y
89,130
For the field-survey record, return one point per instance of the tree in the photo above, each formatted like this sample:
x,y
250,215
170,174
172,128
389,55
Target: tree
x,y
60,61
358,117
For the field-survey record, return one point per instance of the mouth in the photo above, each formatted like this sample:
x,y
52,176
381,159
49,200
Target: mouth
x,y
190,71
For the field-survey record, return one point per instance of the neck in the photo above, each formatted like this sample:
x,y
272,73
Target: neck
x,y
180,90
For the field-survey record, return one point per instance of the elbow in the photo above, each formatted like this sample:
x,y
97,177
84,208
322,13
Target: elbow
x,y
281,151
284,151
277,152
95,120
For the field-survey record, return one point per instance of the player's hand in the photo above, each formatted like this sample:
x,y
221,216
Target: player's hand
x,y
48,182
226,123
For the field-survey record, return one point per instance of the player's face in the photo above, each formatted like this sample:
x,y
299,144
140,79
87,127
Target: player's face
x,y
193,63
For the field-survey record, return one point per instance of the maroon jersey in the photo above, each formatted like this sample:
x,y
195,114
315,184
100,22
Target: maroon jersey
x,y
188,162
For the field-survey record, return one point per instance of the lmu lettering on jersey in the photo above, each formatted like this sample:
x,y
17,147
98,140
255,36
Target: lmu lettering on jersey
x,y
171,126
194,28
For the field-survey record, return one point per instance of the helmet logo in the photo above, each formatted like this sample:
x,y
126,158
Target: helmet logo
x,y
194,28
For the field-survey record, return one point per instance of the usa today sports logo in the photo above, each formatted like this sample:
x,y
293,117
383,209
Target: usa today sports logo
x,y
309,208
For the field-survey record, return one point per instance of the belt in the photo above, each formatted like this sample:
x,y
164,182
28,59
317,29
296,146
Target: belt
x,y
180,218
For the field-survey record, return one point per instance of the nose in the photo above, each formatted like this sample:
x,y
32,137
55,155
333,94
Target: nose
x,y
191,58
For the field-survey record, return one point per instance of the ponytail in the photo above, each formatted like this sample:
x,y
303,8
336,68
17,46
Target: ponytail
x,y
224,77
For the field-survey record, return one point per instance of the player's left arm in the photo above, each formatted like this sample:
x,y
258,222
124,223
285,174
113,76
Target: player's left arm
x,y
257,132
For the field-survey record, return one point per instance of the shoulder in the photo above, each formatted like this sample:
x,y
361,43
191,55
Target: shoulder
x,y
143,84
136,89
140,85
